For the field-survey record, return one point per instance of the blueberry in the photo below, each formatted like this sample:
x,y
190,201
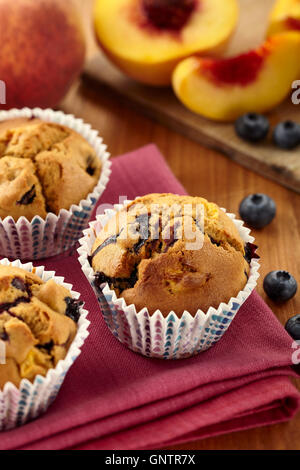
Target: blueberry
x,y
250,252
292,326
47,346
257,210
280,285
89,166
286,135
28,197
3,335
252,127
73,308
19,284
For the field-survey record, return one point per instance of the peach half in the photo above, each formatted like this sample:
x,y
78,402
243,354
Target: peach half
x,y
256,81
147,38
285,16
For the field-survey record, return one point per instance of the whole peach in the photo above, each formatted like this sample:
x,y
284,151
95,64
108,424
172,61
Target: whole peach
x,y
42,50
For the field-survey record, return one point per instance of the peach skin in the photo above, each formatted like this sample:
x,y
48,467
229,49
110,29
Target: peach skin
x,y
223,89
147,38
285,16
42,51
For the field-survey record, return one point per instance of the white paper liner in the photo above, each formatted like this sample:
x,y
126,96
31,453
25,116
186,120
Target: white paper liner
x,y
42,238
19,405
154,335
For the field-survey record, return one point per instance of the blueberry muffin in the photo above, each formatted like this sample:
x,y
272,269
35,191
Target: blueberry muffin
x,y
146,256
44,167
38,322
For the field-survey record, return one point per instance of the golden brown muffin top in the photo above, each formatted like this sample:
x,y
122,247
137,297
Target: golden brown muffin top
x,y
37,324
149,259
44,167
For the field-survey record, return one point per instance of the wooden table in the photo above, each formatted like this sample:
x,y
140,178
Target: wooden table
x,y
215,177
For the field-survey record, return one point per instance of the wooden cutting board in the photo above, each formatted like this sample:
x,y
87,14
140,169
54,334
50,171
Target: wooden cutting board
x,y
162,105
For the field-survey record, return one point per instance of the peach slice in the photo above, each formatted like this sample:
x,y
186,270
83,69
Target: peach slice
x,y
285,16
147,38
223,89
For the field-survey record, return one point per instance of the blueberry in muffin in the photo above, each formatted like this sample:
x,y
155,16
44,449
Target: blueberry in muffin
x,y
44,167
144,255
37,324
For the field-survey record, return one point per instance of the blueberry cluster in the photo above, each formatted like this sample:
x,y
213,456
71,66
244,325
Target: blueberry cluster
x,y
255,127
258,210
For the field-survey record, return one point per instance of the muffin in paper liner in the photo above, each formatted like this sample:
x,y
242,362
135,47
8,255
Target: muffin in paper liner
x,y
42,238
154,335
29,400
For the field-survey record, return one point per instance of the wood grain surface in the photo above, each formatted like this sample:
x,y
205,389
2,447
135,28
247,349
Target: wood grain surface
x,y
212,175
162,105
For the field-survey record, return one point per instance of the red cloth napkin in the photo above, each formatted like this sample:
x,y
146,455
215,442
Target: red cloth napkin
x,y
113,398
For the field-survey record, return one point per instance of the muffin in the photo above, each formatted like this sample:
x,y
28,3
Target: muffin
x,y
168,272
38,323
44,167
145,256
